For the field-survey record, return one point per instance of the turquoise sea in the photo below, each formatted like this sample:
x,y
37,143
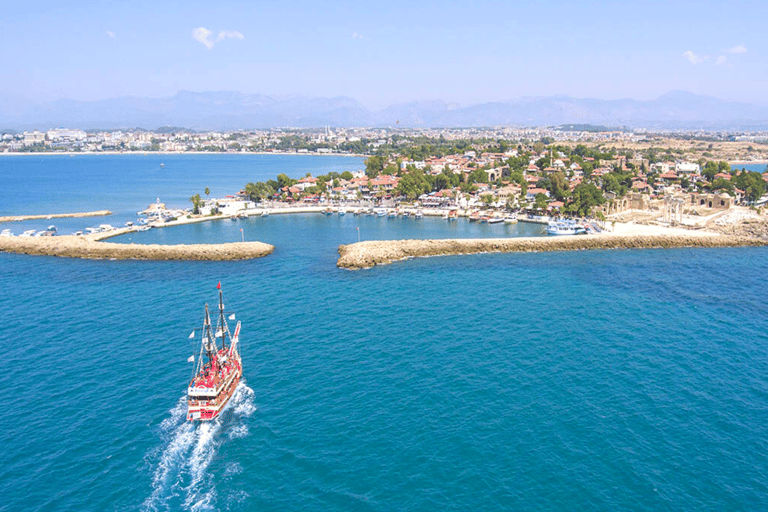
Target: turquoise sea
x,y
592,380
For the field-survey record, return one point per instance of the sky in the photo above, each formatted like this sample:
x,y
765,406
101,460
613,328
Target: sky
x,y
382,53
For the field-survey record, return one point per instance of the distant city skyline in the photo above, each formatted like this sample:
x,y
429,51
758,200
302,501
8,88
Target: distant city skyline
x,y
383,54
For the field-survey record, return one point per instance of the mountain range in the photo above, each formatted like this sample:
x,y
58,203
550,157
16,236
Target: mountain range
x,y
229,110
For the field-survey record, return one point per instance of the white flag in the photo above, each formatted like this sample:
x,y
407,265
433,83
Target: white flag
x,y
232,316
192,335
191,359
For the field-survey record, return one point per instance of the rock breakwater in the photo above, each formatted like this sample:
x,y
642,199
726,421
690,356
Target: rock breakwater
x,y
85,247
372,253
18,218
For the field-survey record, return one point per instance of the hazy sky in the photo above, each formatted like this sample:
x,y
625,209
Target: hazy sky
x,y
385,52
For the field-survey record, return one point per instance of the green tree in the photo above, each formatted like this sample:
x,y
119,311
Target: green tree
x,y
374,165
540,201
196,203
751,183
207,191
346,175
557,186
585,196
722,184
284,181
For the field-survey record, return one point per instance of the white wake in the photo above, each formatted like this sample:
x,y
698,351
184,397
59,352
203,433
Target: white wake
x,y
180,476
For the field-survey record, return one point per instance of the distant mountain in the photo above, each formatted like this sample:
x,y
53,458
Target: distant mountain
x,y
229,110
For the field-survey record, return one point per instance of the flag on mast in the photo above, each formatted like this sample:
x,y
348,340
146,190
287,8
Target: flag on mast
x,y
218,286
191,336
232,316
191,359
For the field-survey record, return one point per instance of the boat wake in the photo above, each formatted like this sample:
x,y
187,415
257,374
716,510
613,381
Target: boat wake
x,y
181,478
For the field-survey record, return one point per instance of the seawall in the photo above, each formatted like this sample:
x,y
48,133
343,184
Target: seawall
x,y
85,247
17,218
371,253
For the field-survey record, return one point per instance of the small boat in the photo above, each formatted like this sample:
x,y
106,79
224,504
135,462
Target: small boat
x,y
392,213
485,218
419,214
495,220
265,213
51,228
342,211
564,228
218,369
406,214
144,228
381,212
80,233
162,166
6,232
474,216
106,227
510,219
327,211
453,215
28,232
129,224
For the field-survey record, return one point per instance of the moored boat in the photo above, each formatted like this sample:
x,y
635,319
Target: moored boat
x,y
495,220
511,218
218,369
564,228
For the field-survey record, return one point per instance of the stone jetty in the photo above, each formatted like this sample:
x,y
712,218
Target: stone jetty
x,y
371,253
70,246
18,218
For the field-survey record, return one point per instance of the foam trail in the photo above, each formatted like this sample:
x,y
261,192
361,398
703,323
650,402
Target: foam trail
x,y
181,435
182,467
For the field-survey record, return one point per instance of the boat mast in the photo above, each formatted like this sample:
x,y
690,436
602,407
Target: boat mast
x,y
223,325
210,340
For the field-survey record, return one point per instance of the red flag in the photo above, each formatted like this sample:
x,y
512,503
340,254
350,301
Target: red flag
x,y
218,286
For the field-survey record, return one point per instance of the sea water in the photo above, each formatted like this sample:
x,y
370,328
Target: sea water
x,y
590,380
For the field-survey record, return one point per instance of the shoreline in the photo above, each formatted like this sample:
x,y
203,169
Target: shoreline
x,y
147,153
369,254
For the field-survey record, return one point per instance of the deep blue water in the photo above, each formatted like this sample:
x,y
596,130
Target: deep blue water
x,y
592,380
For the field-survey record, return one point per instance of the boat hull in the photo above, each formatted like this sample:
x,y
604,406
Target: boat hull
x,y
208,410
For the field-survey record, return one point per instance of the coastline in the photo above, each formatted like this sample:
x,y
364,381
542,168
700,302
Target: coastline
x,y
372,253
147,153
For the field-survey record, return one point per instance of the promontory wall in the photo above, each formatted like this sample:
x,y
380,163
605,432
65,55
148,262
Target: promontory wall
x,y
84,247
372,253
